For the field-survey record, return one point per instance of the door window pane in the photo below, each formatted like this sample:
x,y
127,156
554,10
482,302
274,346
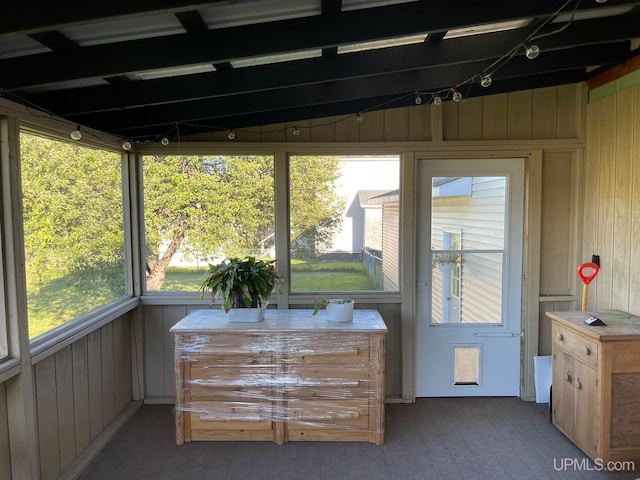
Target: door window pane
x,y
344,223
200,209
467,249
73,230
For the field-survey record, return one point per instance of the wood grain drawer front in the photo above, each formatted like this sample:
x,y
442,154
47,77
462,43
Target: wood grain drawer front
x,y
328,414
229,344
353,389
579,347
230,415
235,377
328,348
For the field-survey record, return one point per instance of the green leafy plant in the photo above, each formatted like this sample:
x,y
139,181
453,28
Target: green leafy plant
x,y
241,283
322,302
441,259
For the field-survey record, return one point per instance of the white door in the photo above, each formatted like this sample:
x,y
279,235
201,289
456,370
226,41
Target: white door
x,y
470,222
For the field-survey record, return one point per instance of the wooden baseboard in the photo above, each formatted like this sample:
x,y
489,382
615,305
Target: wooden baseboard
x,y
101,441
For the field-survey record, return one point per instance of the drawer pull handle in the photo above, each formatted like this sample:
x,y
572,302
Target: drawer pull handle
x,y
587,350
578,384
559,336
567,377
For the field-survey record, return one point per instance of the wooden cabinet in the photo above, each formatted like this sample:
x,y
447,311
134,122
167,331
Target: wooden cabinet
x,y
596,384
291,377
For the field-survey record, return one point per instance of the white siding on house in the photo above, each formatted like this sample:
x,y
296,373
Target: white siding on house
x,y
480,219
390,246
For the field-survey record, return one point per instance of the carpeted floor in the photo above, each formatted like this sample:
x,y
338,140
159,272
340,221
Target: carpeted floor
x,y
435,438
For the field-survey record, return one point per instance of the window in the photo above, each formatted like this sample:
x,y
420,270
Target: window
x,y
344,223
73,230
200,209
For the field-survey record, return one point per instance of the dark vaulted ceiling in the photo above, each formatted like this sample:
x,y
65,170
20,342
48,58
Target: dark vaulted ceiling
x,y
145,68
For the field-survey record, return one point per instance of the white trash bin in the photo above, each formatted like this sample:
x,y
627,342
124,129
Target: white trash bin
x,y
542,377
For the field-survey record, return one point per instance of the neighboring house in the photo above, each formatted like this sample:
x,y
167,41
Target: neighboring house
x,y
467,215
389,203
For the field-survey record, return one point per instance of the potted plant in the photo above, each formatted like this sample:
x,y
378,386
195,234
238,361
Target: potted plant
x,y
338,309
444,261
244,283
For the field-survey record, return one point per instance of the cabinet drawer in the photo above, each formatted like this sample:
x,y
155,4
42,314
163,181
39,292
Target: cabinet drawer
x,y
230,415
227,344
339,390
579,347
320,414
328,348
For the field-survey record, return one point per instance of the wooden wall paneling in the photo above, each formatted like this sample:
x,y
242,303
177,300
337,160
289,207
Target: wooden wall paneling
x,y
605,225
622,201
171,315
322,130
545,340
153,351
544,113
567,108
81,414
347,129
94,368
108,373
5,452
304,134
449,121
119,366
557,220
274,133
66,417
494,117
420,123
591,189
137,353
470,119
47,418
372,129
396,125
519,115
634,301
393,348
128,371
253,134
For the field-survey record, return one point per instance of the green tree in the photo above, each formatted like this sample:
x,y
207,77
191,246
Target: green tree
x,y
205,206
72,209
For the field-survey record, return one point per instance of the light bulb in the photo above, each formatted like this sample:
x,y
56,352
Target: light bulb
x,y
437,100
126,145
295,131
457,96
532,51
164,141
76,134
486,81
231,135
418,99
359,118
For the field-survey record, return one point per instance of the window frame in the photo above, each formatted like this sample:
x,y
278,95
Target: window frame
x,y
281,152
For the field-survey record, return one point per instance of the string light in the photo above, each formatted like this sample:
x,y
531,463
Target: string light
x,y
126,145
164,141
532,51
76,134
485,78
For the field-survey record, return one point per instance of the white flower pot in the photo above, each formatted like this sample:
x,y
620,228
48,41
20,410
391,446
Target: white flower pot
x,y
340,312
247,314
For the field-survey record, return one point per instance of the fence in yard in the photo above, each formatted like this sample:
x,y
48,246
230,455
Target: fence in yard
x,y
372,260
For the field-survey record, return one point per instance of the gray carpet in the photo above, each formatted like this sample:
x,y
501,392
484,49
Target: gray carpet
x,y
437,438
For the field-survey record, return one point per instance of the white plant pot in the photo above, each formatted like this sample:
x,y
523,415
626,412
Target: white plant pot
x,y
247,314
340,312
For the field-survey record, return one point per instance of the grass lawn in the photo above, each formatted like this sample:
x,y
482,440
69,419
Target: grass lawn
x,y
61,301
